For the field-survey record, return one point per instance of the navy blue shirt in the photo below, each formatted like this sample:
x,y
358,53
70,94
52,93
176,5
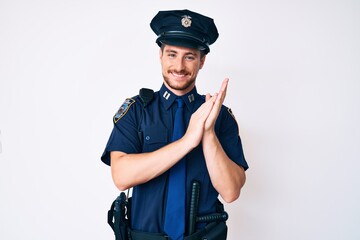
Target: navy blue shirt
x,y
139,129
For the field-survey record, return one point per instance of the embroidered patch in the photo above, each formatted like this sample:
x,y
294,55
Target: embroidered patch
x,y
123,109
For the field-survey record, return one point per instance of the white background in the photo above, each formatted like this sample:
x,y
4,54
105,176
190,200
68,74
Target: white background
x,y
294,68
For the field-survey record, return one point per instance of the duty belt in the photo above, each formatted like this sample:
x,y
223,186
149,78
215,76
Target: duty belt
x,y
216,229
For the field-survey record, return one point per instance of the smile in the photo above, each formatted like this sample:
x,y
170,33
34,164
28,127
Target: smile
x,y
179,75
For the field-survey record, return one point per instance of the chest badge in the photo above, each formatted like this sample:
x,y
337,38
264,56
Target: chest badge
x,y
123,109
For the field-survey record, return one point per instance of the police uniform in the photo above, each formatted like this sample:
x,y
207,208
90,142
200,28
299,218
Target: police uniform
x,y
147,126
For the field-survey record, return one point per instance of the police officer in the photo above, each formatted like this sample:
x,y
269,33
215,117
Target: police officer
x,y
141,149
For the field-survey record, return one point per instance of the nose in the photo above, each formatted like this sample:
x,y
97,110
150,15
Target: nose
x,y
180,65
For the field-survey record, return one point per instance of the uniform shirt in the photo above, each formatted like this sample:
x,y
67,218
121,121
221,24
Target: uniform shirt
x,y
139,129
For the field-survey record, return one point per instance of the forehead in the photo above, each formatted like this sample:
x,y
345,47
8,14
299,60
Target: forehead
x,y
180,49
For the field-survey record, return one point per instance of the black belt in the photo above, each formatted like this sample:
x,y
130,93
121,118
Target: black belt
x,y
212,231
136,235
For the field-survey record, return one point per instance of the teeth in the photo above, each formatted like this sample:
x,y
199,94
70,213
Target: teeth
x,y
178,75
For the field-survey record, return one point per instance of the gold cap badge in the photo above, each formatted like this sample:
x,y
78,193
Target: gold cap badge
x,y
186,21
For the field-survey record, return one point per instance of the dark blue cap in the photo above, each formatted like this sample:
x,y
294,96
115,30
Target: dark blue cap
x,y
184,28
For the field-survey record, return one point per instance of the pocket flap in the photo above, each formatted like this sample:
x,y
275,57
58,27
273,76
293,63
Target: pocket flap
x,y
155,135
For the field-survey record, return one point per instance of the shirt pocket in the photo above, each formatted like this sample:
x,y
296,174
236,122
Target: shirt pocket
x,y
154,138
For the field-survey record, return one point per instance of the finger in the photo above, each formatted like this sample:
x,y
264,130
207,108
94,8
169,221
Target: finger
x,y
223,88
224,84
206,107
222,92
208,96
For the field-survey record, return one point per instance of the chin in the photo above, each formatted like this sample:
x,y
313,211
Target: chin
x,y
183,85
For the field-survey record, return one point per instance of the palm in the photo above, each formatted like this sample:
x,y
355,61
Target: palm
x,y
204,118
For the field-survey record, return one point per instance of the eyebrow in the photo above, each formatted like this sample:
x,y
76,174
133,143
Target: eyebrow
x,y
186,53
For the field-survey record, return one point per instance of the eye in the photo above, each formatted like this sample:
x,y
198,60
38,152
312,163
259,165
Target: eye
x,y
171,55
190,57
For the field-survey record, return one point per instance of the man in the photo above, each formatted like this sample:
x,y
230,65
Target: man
x,y
143,152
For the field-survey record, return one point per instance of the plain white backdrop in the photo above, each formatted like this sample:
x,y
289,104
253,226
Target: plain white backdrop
x,y
294,69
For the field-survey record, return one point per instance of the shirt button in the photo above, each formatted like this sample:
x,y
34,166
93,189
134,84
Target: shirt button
x,y
147,138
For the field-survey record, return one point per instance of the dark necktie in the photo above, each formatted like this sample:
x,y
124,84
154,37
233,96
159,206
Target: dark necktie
x,y
175,207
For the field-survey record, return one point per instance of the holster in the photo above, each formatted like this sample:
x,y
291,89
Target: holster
x,y
118,217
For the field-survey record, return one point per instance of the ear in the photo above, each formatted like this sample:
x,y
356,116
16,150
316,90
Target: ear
x,y
202,61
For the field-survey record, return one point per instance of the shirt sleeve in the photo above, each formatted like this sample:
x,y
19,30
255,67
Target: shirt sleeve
x,y
124,136
229,137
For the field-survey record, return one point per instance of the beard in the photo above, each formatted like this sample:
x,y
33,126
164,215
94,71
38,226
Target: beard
x,y
180,87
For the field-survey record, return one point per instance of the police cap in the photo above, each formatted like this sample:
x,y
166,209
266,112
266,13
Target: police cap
x,y
184,28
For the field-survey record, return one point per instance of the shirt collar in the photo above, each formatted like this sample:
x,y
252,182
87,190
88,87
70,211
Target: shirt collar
x,y
168,97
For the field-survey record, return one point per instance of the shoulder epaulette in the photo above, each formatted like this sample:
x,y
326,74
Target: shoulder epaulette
x,y
146,96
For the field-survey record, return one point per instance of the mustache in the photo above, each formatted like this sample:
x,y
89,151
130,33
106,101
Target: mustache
x,y
183,72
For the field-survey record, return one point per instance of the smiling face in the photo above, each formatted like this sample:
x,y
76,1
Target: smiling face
x,y
180,66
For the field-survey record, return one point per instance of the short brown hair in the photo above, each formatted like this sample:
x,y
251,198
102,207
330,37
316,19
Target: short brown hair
x,y
202,53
